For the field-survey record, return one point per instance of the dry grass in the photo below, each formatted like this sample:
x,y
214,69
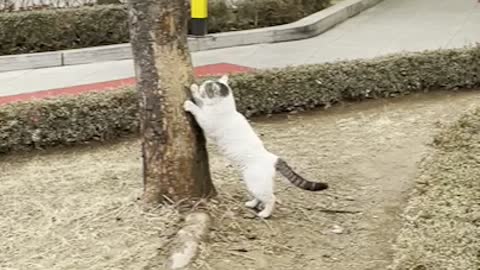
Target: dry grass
x,y
241,240
78,210
442,219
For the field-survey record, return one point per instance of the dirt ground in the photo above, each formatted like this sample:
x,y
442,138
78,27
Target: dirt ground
x,y
77,208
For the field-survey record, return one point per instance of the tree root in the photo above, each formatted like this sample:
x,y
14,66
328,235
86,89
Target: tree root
x,y
187,240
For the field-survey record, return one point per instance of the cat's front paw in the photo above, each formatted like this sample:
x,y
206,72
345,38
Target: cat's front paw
x,y
194,89
188,106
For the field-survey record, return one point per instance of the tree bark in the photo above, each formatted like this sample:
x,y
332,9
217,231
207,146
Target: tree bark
x,y
175,159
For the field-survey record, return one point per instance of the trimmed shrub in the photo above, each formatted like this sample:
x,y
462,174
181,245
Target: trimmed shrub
x,y
305,87
50,30
263,13
68,120
73,28
107,115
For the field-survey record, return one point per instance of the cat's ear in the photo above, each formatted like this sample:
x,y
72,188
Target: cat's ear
x,y
224,79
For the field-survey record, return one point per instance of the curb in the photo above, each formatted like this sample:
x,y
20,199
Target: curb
x,y
307,27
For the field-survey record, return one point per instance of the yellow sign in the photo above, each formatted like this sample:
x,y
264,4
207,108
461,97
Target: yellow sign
x,y
199,9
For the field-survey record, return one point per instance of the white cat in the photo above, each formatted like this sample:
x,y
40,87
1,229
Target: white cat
x,y
215,111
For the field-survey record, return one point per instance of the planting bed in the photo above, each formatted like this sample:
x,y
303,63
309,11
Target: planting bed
x,y
77,207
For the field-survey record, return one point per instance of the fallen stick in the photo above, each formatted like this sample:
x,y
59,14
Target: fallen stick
x,y
187,240
335,211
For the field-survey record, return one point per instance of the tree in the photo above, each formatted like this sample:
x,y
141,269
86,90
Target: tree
x,y
175,159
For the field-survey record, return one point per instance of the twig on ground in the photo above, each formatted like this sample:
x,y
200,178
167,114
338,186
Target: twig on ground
x,y
339,211
307,216
241,255
267,223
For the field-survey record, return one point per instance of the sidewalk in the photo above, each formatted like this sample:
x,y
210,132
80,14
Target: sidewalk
x,y
391,26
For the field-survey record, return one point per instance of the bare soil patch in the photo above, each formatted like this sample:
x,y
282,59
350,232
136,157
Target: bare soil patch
x,y
77,208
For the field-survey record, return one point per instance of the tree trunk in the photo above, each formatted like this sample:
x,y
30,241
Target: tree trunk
x,y
175,159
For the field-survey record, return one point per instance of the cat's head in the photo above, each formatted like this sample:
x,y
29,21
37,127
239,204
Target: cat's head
x,y
215,89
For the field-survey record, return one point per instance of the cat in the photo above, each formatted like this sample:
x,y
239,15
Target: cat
x,y
214,109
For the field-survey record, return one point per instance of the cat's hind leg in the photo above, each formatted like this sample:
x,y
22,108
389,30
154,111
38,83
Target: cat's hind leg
x,y
252,203
269,206
259,181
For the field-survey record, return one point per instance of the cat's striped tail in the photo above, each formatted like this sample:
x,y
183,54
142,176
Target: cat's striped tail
x,y
282,167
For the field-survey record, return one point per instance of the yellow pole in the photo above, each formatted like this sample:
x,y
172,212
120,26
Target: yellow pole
x,y
199,14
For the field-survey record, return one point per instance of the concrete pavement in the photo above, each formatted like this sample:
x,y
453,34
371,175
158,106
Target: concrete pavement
x,y
391,26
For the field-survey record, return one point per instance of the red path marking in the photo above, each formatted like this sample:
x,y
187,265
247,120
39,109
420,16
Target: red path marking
x,y
202,71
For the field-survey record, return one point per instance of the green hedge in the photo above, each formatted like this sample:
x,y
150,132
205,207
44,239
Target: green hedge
x,y
106,115
255,14
442,218
51,30
68,120
305,87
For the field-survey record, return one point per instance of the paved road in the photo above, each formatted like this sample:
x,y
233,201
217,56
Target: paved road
x,y
391,26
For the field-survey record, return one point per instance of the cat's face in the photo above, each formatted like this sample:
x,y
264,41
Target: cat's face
x,y
215,89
